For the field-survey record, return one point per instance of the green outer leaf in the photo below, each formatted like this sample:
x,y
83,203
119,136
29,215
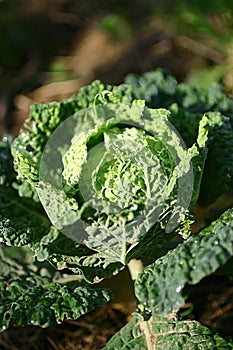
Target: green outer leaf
x,y
130,337
186,335
44,118
65,253
158,287
187,105
23,303
199,160
162,334
30,294
160,90
218,171
10,266
22,221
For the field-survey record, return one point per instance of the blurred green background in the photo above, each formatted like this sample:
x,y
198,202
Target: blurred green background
x,y
50,48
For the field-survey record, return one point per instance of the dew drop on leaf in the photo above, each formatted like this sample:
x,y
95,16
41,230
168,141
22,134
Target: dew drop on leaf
x,y
178,289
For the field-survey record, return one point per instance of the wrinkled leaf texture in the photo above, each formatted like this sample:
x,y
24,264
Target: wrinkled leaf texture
x,y
162,334
159,287
158,290
24,222
28,295
159,89
187,106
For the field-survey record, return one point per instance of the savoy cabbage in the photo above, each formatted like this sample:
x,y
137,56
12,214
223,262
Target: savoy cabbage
x,y
109,176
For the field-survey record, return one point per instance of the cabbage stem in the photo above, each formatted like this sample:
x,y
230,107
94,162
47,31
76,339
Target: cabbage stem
x,y
135,267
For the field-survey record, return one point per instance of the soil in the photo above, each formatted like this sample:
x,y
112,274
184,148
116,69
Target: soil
x,y
69,33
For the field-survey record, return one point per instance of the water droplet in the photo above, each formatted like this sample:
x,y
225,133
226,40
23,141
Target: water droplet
x,y
134,207
148,311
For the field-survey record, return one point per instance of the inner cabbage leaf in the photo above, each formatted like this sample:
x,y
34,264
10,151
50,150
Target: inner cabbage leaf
x,y
109,174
